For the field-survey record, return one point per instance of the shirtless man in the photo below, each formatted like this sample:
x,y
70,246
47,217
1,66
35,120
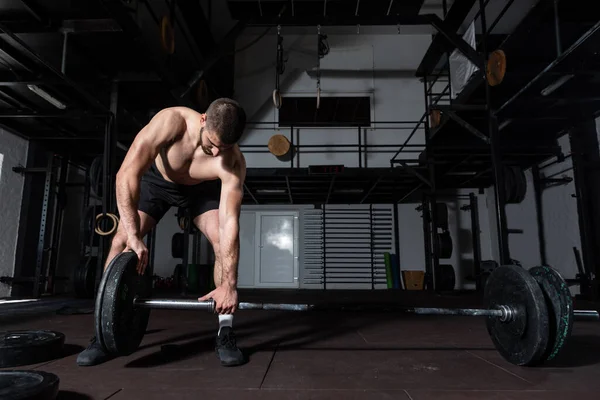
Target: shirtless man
x,y
177,160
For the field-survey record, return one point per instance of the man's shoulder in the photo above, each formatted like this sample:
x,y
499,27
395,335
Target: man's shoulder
x,y
233,162
179,111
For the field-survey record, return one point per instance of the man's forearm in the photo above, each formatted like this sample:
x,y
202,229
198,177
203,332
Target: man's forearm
x,y
230,251
127,193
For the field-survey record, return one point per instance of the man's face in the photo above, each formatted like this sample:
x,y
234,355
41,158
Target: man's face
x,y
211,144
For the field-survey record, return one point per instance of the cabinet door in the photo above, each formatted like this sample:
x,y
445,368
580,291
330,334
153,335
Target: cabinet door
x,y
248,244
276,262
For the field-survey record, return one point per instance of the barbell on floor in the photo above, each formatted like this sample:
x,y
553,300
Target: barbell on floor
x,y
529,314
504,313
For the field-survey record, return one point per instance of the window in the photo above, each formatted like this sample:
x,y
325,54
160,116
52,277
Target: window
x,y
333,111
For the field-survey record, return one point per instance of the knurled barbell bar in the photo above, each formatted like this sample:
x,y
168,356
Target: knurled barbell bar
x,y
504,313
529,314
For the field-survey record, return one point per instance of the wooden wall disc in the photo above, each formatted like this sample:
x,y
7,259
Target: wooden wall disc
x,y
167,35
279,145
496,67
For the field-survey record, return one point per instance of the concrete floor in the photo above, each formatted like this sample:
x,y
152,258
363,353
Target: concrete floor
x,y
323,355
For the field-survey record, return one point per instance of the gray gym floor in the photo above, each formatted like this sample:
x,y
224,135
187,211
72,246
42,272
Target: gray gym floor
x,y
325,355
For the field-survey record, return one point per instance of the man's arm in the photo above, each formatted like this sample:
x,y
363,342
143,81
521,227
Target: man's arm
x,y
162,129
232,192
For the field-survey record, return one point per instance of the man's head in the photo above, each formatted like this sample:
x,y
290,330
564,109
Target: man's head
x,y
224,123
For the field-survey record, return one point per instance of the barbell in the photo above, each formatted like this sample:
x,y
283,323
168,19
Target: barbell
x,y
529,314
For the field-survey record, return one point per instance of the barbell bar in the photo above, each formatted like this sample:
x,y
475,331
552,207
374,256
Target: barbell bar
x,y
504,313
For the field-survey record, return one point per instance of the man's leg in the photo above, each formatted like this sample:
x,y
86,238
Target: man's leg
x,y
95,354
226,347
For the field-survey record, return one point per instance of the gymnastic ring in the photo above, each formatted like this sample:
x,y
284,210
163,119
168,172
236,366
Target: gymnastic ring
x,y
114,219
167,35
318,97
277,100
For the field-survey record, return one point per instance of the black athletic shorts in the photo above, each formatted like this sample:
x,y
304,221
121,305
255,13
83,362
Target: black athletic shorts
x,y
158,195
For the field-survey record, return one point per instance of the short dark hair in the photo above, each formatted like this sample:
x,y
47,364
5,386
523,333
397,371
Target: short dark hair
x,y
227,119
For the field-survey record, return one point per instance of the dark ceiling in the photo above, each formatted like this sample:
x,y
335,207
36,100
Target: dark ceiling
x,y
114,58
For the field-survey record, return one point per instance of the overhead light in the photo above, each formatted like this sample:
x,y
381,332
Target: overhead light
x,y
504,124
17,301
47,96
465,173
270,191
349,190
553,86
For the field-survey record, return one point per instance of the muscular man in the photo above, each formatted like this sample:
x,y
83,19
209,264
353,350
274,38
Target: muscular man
x,y
178,160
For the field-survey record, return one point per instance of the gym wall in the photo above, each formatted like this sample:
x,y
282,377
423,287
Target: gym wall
x,y
13,151
394,97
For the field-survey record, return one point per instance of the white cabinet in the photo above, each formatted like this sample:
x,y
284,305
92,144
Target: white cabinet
x,y
269,249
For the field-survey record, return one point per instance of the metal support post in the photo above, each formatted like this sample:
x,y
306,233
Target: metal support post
x,y
292,149
497,167
41,248
431,198
557,30
359,149
110,171
476,234
57,220
538,189
584,150
63,65
427,241
397,242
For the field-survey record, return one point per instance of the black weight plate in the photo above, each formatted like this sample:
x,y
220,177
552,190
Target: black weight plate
x,y
99,298
445,244
28,385
29,347
523,340
560,307
123,325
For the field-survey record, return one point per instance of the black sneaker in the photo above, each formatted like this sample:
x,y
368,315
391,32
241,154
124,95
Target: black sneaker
x,y
93,355
226,348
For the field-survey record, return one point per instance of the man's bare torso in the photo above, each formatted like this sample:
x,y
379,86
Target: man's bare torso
x,y
184,162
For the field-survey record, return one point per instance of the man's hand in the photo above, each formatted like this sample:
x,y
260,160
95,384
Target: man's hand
x,y
225,297
138,246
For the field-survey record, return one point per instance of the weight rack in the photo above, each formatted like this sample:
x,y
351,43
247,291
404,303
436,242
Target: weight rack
x,y
347,246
